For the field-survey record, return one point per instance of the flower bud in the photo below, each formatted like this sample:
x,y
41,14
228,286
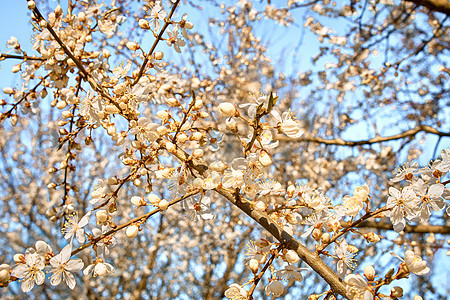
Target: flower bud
x,y
5,274
137,182
352,249
253,264
182,138
172,102
14,119
163,204
8,90
111,130
372,237
88,140
153,199
198,153
260,206
231,125
161,130
120,89
101,215
136,144
396,292
132,231
66,114
369,272
138,201
218,166
132,46
188,25
170,147
316,234
291,257
15,68
198,104
325,238
159,55
417,297
144,24
227,109
264,159
163,115
58,10
292,219
196,136
290,191
31,4
111,109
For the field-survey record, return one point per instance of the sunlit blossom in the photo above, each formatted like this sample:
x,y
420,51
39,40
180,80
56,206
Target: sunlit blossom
x,y
30,270
345,258
63,265
357,288
99,268
289,273
73,227
236,292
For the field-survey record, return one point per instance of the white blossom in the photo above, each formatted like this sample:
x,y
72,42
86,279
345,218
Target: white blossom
x,y
73,227
30,270
63,265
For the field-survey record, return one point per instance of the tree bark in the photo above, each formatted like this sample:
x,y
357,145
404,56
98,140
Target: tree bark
x,y
442,6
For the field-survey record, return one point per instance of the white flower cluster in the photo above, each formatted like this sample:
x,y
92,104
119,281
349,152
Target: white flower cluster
x,y
30,266
424,193
257,254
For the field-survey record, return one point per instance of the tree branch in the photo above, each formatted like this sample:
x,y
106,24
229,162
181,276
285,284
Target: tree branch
x,y
442,6
310,258
442,229
378,139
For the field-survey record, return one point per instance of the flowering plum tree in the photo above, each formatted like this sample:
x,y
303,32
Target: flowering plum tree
x,y
194,149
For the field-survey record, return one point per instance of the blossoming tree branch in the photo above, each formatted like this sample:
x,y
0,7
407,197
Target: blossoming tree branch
x,y
167,149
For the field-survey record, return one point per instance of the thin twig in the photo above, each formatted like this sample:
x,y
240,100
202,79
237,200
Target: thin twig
x,y
159,37
126,224
379,139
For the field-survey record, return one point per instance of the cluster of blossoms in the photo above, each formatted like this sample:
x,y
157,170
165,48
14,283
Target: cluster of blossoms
x,y
360,289
424,193
416,201
30,266
257,254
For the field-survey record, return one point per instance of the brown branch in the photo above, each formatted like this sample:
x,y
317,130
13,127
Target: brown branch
x,y
310,258
350,226
258,277
442,229
159,37
88,77
185,117
24,57
8,113
142,218
379,139
442,6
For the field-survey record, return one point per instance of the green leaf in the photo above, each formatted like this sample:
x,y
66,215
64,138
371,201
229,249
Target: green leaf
x,y
272,101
